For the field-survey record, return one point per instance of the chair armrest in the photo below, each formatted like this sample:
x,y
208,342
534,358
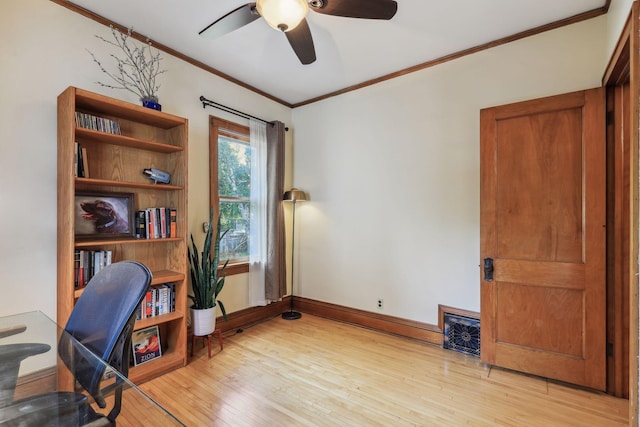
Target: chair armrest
x,y
12,330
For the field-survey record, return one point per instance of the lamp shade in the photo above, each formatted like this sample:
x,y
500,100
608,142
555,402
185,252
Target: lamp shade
x,y
283,15
295,195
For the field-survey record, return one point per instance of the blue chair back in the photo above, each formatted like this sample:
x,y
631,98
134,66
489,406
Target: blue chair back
x,y
103,320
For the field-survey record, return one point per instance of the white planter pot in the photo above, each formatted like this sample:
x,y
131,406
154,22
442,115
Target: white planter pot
x,y
203,321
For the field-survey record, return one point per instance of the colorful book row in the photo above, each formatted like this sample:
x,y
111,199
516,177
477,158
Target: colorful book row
x,y
156,223
159,300
89,121
87,264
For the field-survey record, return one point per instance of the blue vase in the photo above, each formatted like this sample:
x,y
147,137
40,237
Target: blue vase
x,y
151,102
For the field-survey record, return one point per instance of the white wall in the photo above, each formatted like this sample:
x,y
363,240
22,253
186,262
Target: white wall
x,y
393,173
43,51
409,236
616,18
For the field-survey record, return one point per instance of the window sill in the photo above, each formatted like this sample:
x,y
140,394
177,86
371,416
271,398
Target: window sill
x,y
236,268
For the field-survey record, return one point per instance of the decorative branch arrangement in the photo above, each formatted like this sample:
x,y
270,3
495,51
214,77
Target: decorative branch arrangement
x,y
138,71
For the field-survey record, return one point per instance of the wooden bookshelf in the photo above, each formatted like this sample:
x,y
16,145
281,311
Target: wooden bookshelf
x,y
149,139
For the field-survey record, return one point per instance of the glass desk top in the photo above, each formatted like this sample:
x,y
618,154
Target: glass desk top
x,y
45,373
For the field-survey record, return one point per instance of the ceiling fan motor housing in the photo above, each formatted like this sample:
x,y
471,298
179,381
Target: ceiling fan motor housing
x,y
283,15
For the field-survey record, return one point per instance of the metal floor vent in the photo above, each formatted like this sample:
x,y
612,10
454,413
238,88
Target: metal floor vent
x,y
462,334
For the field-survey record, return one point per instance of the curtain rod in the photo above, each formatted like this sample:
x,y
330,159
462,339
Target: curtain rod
x,y
207,102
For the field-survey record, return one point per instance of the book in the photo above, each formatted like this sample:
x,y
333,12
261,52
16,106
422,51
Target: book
x,y
75,159
173,218
81,269
85,163
80,171
141,226
76,267
145,345
148,300
163,222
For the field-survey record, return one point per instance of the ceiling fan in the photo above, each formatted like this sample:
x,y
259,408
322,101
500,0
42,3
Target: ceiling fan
x,y
288,16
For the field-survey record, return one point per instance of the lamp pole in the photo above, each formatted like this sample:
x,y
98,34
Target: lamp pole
x,y
294,195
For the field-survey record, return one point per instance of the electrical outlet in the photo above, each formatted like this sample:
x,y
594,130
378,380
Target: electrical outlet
x,y
380,304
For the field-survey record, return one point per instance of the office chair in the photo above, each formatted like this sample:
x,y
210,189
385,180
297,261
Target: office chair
x,y
101,325
11,355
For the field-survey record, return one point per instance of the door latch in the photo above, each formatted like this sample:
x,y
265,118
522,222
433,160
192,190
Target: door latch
x,y
488,269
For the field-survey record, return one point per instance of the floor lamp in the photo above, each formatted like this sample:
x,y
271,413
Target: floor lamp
x,y
294,195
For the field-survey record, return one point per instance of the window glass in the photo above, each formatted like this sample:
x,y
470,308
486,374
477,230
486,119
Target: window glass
x,y
234,178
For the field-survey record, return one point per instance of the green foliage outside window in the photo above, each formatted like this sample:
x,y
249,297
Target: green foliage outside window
x,y
234,185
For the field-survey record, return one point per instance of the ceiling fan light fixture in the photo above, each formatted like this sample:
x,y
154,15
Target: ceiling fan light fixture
x,y
283,15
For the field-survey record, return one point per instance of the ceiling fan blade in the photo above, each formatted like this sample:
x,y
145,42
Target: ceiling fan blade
x,y
302,43
367,9
231,21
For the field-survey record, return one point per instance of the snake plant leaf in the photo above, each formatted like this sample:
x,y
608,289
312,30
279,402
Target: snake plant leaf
x,y
207,279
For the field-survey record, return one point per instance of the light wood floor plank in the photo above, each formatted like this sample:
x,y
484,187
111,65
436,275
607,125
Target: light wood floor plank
x,y
316,372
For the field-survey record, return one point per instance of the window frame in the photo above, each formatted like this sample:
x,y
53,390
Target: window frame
x,y
221,127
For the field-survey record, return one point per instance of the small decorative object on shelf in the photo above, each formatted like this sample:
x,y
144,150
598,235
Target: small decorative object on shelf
x,y
158,175
151,102
137,72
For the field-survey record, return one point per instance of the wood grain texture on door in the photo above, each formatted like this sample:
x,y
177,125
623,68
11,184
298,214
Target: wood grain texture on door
x,y
543,218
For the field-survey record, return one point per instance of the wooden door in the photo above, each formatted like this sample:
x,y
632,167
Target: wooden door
x,y
542,220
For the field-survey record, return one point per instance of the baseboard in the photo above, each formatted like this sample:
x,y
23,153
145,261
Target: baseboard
x,y
379,322
425,332
251,316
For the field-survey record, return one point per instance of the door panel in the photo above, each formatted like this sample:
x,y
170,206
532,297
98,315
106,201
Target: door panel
x,y
543,223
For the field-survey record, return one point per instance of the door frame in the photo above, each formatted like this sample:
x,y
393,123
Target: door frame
x,y
625,60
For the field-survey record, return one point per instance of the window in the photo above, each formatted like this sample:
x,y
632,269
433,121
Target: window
x,y
234,177
230,175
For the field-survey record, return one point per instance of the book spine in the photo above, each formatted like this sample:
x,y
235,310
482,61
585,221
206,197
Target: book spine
x,y
80,162
76,267
75,159
173,214
163,222
157,223
85,162
149,304
152,223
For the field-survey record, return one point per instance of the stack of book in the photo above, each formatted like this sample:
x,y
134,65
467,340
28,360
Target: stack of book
x,y
88,264
89,121
158,300
80,165
156,223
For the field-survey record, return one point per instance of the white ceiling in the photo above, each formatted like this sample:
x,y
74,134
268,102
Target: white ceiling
x,y
349,51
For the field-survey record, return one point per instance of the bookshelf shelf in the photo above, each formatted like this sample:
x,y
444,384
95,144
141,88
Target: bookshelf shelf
x,y
91,183
158,320
149,139
89,135
129,241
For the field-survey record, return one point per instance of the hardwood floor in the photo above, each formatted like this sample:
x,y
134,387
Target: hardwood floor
x,y
317,372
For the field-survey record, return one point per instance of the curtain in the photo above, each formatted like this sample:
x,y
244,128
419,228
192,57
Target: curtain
x,y
275,268
267,280
258,213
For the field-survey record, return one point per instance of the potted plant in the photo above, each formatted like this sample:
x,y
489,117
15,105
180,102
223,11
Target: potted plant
x,y
207,280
